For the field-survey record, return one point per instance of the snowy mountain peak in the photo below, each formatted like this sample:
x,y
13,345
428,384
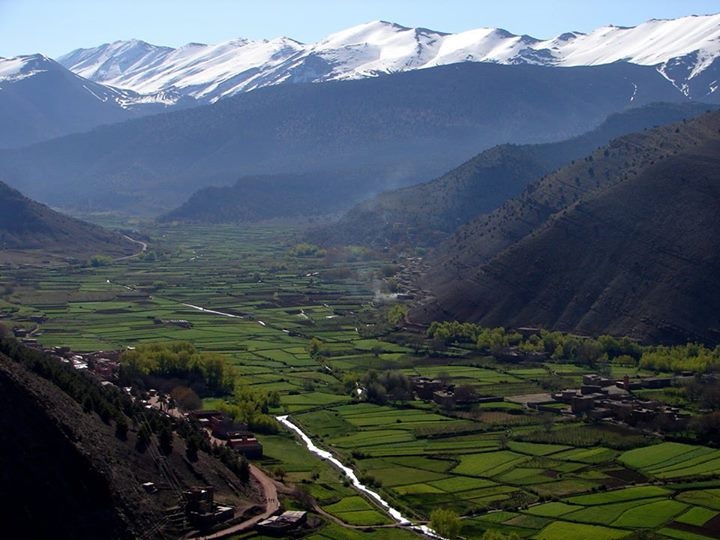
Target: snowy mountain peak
x,y
681,49
24,66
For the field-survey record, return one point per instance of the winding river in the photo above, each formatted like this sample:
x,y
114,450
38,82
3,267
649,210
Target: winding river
x,y
350,474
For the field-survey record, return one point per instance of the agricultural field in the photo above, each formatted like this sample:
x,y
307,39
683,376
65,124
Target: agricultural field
x,y
500,465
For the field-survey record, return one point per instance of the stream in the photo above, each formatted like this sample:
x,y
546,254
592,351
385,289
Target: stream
x,y
350,474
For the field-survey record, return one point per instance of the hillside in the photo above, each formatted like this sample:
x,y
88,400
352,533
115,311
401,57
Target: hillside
x,y
621,242
424,214
40,99
255,198
61,460
28,227
416,126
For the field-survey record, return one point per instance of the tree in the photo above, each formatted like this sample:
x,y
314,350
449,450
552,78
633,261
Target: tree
x,y
315,347
100,260
244,470
396,314
445,522
143,437
191,449
165,438
186,398
465,394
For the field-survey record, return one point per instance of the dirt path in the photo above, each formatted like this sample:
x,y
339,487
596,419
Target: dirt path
x,y
143,248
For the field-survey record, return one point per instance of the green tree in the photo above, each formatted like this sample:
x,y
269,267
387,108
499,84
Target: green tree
x,y
279,473
121,428
396,314
445,522
191,449
97,261
244,470
315,347
143,437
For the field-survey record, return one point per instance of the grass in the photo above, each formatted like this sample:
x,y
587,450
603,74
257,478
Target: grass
x,y
488,464
621,495
561,530
697,516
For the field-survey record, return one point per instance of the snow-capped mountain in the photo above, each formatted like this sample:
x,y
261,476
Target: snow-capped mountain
x,y
684,50
40,99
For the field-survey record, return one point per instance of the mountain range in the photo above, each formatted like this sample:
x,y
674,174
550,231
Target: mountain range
x,y
41,99
371,134
684,50
624,241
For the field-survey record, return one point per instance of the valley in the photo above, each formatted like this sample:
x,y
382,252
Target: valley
x,y
311,329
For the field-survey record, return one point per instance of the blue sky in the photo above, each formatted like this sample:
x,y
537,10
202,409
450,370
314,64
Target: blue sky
x,y
54,27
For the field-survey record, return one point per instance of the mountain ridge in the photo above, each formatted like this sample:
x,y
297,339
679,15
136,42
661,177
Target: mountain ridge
x,y
29,228
685,50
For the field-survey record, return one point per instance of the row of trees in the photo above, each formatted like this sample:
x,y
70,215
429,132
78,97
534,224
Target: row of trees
x,y
558,345
690,357
206,373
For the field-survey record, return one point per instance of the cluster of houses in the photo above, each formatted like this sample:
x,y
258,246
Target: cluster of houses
x,y
235,435
601,398
444,394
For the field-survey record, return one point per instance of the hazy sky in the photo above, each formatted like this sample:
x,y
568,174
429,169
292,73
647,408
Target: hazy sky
x,y
54,27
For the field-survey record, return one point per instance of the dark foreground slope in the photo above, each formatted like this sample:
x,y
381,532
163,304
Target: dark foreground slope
x,y
28,226
398,129
66,474
58,465
626,241
426,213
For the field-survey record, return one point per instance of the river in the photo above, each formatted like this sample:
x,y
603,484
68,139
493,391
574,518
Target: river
x,y
350,474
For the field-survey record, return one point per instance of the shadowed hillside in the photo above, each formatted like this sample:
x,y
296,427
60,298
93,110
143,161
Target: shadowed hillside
x,y
623,241
67,474
28,226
